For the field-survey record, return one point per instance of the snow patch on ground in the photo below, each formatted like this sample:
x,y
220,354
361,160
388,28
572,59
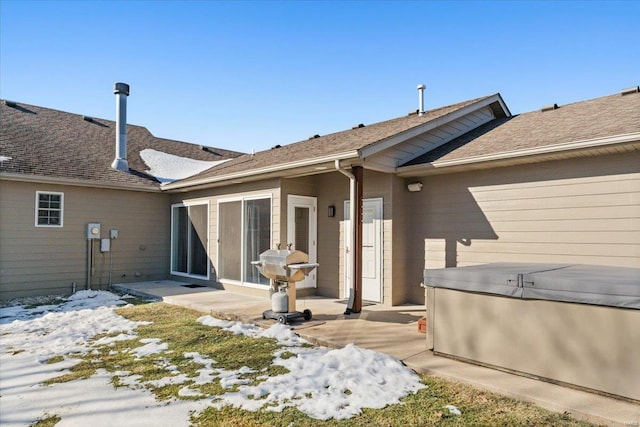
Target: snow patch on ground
x,y
324,383
151,346
321,382
453,410
282,333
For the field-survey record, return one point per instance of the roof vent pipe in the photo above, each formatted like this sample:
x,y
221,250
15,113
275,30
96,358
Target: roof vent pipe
x,y
421,99
628,91
120,162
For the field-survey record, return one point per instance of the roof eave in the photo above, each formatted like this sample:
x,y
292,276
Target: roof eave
x,y
389,142
269,171
455,165
39,179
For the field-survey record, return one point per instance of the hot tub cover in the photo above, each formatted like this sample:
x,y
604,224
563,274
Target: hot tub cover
x,y
588,284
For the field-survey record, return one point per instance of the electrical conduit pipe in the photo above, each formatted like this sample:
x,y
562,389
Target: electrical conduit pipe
x,y
352,215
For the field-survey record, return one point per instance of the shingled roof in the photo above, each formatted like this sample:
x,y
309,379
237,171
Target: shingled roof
x,y
42,142
348,141
604,117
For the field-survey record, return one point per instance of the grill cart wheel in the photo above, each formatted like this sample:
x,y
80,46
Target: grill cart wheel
x,y
307,314
282,319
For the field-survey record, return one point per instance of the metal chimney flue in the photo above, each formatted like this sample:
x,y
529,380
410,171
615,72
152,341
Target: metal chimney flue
x,y
421,89
120,162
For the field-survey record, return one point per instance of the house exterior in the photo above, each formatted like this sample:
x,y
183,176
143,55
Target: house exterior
x,y
460,185
56,178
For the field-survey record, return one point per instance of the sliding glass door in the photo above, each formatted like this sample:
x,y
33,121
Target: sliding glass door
x,y
244,233
230,240
189,240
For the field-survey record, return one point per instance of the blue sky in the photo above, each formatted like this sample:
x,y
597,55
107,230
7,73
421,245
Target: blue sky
x,y
249,75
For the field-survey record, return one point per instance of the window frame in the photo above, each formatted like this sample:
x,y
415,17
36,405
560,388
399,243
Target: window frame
x,y
243,199
61,210
173,237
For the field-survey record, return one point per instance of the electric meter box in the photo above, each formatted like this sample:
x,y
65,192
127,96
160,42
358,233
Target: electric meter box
x,y
93,231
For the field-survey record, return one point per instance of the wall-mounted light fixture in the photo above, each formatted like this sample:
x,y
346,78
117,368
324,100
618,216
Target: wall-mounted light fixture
x,y
332,211
414,187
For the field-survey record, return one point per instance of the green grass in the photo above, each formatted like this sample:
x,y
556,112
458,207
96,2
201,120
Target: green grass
x,y
425,408
178,327
34,302
55,359
47,421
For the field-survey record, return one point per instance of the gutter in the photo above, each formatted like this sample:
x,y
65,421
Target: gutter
x,y
261,171
407,171
352,215
8,176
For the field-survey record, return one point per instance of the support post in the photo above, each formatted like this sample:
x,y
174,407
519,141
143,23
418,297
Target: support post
x,y
291,294
357,247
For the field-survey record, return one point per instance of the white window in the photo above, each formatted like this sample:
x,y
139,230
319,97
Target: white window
x,y
49,209
244,233
189,240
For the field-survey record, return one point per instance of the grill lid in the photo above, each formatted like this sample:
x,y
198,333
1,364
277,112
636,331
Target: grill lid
x,y
284,265
283,257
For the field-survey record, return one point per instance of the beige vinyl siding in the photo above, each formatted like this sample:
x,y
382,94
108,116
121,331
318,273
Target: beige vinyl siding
x,y
583,211
48,260
402,288
332,189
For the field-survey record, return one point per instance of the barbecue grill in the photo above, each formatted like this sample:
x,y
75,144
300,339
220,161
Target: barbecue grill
x,y
284,267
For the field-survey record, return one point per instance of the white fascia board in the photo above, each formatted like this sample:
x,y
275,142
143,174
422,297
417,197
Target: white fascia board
x,y
526,152
503,104
430,125
378,167
262,171
75,182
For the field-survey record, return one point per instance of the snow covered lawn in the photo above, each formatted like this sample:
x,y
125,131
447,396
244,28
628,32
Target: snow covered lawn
x,y
94,360
41,344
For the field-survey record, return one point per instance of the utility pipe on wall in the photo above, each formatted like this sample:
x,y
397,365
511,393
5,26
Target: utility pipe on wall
x,y
89,263
353,253
358,172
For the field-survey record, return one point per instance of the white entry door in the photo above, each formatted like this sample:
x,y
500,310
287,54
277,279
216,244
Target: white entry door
x,y
371,249
302,219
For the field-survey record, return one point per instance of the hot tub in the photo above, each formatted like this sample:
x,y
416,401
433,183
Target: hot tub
x,y
565,323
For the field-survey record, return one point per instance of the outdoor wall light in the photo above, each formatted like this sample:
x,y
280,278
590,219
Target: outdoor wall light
x,y
332,211
414,187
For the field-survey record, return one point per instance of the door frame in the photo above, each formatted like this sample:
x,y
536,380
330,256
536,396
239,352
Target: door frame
x,y
293,202
173,239
379,253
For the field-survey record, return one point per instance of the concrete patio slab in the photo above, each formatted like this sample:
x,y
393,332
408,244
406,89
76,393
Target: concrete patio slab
x,y
394,331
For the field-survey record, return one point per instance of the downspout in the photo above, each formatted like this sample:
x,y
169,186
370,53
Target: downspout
x,y
352,215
